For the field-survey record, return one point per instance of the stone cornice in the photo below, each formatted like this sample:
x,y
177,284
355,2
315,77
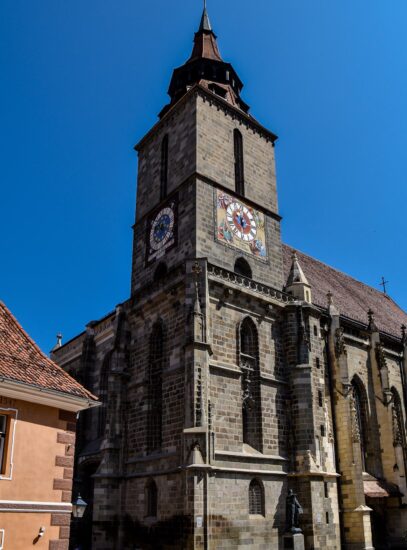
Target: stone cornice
x,y
216,100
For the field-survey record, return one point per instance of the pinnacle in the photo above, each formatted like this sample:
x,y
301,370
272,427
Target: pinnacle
x,y
205,25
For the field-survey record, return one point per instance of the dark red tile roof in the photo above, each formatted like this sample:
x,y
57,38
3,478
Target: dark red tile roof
x,y
351,297
21,360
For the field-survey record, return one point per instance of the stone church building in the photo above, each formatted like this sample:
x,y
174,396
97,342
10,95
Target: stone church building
x,y
238,368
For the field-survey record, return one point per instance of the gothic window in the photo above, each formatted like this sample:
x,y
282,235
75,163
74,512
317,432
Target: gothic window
x,y
256,498
360,420
164,167
154,424
399,438
320,399
239,162
318,451
152,499
397,420
242,267
251,405
103,394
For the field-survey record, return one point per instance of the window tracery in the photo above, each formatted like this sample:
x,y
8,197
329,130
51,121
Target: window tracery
x,y
256,498
239,162
250,382
156,359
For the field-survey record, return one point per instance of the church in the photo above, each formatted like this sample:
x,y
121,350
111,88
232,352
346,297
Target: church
x,y
239,369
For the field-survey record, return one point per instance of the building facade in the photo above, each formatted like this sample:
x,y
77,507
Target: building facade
x,y
239,368
38,407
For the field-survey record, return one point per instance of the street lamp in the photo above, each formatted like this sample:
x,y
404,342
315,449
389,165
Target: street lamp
x,y
78,507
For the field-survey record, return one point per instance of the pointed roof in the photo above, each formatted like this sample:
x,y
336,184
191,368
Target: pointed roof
x,y
22,361
205,23
205,44
206,68
353,298
296,275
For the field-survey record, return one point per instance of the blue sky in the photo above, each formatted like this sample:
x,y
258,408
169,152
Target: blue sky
x,y
82,81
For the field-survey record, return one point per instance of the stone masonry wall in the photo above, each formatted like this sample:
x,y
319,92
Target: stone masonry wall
x,y
215,153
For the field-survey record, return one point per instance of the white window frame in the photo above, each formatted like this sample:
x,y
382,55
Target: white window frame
x,y
2,536
12,435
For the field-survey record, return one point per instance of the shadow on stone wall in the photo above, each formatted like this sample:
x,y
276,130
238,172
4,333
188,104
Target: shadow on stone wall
x,y
171,533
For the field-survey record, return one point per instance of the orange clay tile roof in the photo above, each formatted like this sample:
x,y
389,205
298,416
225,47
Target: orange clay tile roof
x,y
351,297
21,360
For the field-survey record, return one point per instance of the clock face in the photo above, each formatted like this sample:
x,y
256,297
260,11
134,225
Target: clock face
x,y
161,231
162,228
239,225
241,221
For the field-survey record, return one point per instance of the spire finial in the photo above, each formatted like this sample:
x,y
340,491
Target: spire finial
x,y
205,23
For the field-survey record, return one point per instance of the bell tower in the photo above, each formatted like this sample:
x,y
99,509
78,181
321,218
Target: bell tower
x,y
206,395
206,177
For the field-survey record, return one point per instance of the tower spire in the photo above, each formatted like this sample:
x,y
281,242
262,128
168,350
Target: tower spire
x,y
206,68
205,22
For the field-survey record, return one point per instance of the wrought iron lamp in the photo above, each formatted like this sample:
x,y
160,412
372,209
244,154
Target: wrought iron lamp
x,y
78,507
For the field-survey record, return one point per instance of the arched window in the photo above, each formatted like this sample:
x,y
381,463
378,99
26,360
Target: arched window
x,y
155,390
251,405
152,499
160,272
360,421
399,439
256,498
239,162
164,167
242,267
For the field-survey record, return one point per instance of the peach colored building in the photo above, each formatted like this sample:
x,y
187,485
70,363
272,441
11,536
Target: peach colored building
x,y
38,406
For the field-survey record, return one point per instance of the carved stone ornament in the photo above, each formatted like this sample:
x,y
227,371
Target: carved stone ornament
x,y
397,434
372,323
347,389
340,348
247,397
355,419
303,332
380,356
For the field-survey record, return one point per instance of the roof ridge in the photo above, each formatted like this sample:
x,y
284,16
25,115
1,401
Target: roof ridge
x,y
10,317
375,290
21,329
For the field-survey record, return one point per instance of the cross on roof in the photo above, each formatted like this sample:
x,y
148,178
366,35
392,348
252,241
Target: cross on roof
x,y
383,284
